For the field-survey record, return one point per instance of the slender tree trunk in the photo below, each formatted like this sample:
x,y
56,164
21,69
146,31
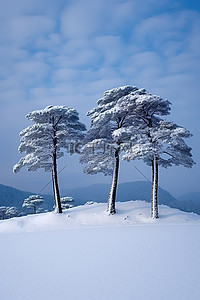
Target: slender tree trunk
x,y
154,203
112,195
58,207
53,181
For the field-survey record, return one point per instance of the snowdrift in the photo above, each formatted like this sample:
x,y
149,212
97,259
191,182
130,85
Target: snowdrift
x,y
95,215
86,254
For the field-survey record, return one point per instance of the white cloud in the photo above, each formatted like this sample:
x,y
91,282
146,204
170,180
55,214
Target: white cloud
x,y
111,49
11,8
92,17
184,63
81,19
159,30
31,69
21,30
51,42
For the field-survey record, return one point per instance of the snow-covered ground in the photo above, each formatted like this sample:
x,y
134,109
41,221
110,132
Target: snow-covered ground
x,y
86,254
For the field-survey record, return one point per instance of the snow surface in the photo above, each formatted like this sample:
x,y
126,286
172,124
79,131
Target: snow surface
x,y
86,254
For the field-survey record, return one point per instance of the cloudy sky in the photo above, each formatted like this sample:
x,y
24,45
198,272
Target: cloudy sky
x,y
62,52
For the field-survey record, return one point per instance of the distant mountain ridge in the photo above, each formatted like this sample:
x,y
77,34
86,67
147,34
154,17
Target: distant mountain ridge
x,y
10,196
190,196
190,202
138,190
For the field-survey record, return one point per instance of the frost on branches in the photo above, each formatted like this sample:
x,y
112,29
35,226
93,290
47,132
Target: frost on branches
x,y
102,147
162,144
145,108
33,202
65,202
53,129
128,118
8,212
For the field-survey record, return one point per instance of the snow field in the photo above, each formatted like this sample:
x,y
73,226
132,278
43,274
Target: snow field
x,y
95,215
85,254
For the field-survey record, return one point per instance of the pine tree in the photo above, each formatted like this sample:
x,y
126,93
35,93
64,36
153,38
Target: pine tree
x,y
33,202
143,109
11,212
152,136
53,129
102,149
161,144
7,212
66,202
3,212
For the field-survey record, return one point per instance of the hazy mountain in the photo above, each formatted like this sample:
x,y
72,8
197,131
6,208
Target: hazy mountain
x,y
13,197
190,196
126,191
190,202
138,190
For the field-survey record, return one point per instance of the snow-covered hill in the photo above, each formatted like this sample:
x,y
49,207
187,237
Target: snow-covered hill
x,y
86,254
128,213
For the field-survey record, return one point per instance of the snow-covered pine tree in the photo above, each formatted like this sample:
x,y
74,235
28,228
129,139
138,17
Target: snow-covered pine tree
x,y
102,148
142,108
11,212
53,129
3,212
33,202
66,202
161,144
7,212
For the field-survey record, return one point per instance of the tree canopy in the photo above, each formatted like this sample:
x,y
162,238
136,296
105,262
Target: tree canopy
x,y
43,142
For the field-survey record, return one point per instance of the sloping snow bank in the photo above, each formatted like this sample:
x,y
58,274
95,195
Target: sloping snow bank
x,y
85,254
95,215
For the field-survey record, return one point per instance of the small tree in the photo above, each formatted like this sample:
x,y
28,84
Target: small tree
x,y
54,128
3,212
11,212
33,202
8,212
66,202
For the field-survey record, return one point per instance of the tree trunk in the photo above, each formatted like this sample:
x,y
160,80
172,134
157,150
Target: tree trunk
x,y
53,181
112,195
154,203
58,208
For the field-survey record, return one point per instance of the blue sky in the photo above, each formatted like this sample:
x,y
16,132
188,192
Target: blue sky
x,y
69,52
